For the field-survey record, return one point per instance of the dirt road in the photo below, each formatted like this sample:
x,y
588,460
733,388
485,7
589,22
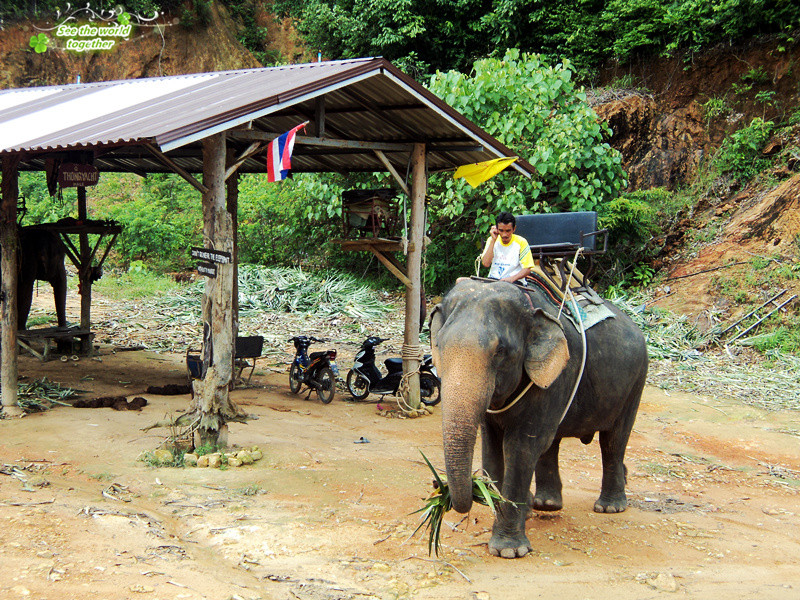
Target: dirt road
x,y
713,490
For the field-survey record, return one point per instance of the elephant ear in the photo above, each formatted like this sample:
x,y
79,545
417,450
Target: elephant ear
x,y
546,353
436,321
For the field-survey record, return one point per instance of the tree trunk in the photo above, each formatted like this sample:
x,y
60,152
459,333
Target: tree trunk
x,y
9,238
212,397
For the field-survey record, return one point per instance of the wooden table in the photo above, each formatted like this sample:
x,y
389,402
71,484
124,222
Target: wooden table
x,y
49,337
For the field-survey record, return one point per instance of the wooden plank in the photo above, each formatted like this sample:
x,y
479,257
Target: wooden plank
x,y
390,167
304,140
176,167
367,244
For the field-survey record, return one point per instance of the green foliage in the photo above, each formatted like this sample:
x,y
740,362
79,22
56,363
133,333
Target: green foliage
x,y
423,36
739,154
632,220
39,205
714,108
538,112
160,217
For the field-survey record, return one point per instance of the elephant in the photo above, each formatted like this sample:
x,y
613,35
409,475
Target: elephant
x,y
494,342
41,256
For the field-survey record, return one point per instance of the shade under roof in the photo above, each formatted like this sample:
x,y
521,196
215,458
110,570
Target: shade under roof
x,y
366,101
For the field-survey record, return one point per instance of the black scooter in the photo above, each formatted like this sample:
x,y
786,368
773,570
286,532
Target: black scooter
x,y
365,378
317,371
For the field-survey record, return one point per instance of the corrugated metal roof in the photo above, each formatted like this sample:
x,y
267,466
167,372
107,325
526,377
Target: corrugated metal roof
x,y
366,100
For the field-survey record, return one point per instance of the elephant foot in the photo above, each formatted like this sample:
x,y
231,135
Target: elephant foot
x,y
547,501
505,547
611,506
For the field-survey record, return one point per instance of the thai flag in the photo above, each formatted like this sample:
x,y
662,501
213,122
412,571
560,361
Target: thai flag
x,y
279,154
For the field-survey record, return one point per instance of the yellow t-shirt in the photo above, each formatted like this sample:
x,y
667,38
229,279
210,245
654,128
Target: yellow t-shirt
x,y
509,259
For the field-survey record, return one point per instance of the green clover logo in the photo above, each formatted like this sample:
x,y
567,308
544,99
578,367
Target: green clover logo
x,y
124,19
39,42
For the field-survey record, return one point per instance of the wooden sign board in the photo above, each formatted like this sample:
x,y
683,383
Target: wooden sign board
x,y
211,255
77,175
207,269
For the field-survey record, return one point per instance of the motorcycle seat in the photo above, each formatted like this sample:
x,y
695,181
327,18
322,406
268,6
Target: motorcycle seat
x,y
394,364
316,355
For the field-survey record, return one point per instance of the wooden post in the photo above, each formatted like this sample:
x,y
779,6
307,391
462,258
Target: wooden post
x,y
85,274
232,205
412,353
212,398
9,238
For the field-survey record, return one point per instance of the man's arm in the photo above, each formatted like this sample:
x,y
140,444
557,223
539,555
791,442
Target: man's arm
x,y
488,252
521,275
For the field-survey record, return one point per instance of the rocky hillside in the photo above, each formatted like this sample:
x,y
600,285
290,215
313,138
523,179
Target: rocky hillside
x,y
739,244
172,49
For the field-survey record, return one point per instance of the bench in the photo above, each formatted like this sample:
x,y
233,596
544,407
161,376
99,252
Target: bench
x,y
555,238
247,351
559,235
50,337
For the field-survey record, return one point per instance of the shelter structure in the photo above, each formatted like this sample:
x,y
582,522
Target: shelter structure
x,y
364,116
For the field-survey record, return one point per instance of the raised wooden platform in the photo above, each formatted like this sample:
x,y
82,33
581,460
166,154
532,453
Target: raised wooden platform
x,y
49,338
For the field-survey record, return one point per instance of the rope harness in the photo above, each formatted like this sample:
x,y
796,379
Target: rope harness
x,y
408,352
583,340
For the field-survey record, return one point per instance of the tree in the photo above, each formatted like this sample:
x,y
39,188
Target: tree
x,y
538,112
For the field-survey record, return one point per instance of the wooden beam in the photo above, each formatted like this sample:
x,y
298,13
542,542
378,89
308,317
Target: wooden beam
x,y
9,238
319,117
393,267
390,167
325,142
166,160
252,149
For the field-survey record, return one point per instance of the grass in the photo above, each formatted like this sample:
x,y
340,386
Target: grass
x,y
135,285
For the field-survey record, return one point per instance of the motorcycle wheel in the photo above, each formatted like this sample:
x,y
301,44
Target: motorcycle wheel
x,y
327,385
294,381
429,389
357,385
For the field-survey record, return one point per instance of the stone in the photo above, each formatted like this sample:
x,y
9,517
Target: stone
x,y
163,455
256,454
234,462
214,460
202,461
663,582
245,457
190,459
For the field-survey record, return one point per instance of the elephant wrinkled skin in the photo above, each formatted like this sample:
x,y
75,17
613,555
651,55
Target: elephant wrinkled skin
x,y
489,342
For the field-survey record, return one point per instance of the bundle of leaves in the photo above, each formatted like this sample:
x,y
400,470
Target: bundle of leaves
x,y
282,289
669,336
41,395
484,492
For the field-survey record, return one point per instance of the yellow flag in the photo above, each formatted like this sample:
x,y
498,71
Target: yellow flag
x,y
477,173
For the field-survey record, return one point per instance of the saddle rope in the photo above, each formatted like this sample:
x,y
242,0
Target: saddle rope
x,y
583,358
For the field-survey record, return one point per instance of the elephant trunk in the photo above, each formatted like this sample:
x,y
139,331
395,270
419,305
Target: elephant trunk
x,y
465,398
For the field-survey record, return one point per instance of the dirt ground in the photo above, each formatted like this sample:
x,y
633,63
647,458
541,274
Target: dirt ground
x,y
713,493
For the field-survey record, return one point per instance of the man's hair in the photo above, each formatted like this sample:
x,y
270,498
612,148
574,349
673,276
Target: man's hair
x,y
507,218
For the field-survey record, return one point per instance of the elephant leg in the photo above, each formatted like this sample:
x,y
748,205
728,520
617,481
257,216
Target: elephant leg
x,y
24,300
59,283
548,480
508,532
492,454
612,447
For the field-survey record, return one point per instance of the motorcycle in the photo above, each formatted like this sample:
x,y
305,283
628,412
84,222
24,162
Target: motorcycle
x,y
365,378
317,371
